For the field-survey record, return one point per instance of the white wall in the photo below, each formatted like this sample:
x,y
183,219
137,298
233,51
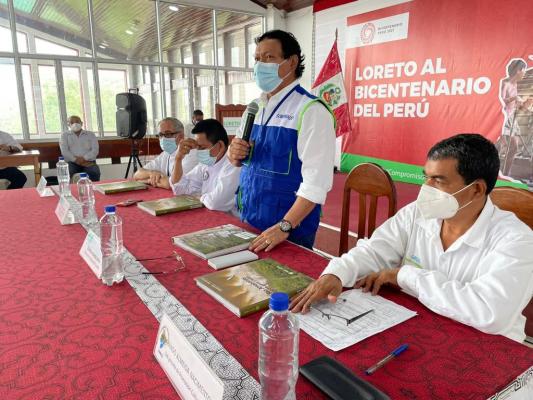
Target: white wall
x,y
300,24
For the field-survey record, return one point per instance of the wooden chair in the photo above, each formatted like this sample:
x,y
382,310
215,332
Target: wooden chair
x,y
371,180
520,202
230,110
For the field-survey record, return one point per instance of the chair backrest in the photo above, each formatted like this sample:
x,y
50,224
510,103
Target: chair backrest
x,y
232,113
370,180
519,201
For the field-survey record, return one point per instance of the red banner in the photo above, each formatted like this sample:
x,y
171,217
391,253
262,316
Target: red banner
x,y
421,71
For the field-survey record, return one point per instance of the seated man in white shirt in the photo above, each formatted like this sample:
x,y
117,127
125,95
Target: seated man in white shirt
x,y
214,178
157,172
15,176
460,255
80,149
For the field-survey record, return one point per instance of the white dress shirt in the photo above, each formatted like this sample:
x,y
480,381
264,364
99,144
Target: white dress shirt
x,y
316,146
83,145
6,138
484,279
217,184
164,162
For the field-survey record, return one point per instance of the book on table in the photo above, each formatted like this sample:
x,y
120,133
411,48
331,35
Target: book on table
x,y
246,288
119,187
217,241
170,204
229,260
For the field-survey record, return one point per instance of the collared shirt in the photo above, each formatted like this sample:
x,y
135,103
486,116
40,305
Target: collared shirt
x,y
484,279
316,146
83,145
217,184
6,138
164,162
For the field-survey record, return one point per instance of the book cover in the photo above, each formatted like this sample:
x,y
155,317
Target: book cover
x,y
170,205
217,241
118,187
246,288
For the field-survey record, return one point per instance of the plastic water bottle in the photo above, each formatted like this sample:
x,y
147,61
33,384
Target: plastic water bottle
x,y
86,199
112,248
278,350
63,177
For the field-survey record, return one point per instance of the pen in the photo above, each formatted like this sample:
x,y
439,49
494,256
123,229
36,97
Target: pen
x,y
381,363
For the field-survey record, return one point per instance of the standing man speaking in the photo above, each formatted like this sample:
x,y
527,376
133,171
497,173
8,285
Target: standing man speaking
x,y
287,167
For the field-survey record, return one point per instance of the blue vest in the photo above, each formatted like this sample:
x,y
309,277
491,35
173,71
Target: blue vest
x,y
272,174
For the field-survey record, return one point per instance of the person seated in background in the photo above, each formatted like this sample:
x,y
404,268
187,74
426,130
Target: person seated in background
x,y
197,116
215,179
460,255
16,177
80,149
158,171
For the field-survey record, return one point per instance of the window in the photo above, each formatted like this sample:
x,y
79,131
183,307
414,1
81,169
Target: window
x,y
125,29
177,93
112,81
9,104
59,68
182,26
45,47
7,45
237,87
50,100
204,96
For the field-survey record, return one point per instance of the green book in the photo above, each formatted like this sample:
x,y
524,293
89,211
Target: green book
x,y
170,205
214,242
118,187
246,288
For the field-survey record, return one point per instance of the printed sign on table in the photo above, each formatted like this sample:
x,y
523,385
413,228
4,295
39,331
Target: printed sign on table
x,y
187,371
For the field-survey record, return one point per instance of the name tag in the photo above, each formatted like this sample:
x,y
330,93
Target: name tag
x,y
92,253
64,212
187,371
42,189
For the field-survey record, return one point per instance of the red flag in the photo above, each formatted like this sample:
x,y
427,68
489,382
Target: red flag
x,y
329,86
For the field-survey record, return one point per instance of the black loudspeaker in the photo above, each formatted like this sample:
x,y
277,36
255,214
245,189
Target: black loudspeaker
x,y
131,115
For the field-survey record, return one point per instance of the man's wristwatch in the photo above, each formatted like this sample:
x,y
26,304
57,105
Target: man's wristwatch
x,y
285,226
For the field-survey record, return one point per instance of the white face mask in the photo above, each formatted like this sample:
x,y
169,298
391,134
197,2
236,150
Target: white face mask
x,y
434,203
75,127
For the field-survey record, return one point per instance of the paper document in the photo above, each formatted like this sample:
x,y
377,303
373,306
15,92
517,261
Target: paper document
x,y
335,334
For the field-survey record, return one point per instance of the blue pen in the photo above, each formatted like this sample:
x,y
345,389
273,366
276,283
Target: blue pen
x,y
381,363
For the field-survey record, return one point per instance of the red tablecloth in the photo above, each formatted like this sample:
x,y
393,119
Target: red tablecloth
x,y
65,334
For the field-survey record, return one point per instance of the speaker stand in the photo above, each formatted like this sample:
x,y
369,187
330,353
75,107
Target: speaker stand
x,y
134,156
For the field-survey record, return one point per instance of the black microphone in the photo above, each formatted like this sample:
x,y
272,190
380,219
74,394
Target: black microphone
x,y
251,111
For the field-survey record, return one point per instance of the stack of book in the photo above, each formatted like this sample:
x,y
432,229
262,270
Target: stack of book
x,y
223,246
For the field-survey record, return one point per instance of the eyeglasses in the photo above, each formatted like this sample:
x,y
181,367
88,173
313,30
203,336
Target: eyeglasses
x,y
347,320
180,267
167,135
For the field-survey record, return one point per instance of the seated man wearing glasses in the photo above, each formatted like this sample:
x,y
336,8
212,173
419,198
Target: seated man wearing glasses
x,y
460,255
158,171
215,179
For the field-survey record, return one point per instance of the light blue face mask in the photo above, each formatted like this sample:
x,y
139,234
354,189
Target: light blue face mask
x,y
267,77
168,144
205,157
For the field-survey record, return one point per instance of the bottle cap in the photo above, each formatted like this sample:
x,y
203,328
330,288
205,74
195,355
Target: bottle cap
x,y
83,174
110,209
279,301
61,158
